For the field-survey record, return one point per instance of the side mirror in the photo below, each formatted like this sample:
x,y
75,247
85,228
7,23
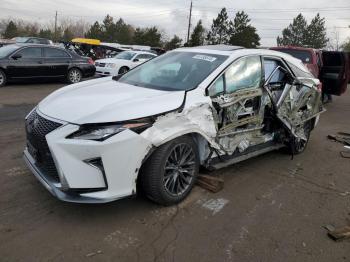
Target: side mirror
x,y
136,60
16,56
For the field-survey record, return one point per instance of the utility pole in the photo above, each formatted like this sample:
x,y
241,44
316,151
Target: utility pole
x,y
55,27
189,24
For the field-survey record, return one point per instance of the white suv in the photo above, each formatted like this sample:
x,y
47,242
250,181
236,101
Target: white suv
x,y
122,62
208,106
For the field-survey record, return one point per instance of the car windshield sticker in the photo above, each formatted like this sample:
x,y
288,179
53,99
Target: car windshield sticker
x,y
205,58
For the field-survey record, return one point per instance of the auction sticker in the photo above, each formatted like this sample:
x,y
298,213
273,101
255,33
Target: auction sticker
x,y
205,58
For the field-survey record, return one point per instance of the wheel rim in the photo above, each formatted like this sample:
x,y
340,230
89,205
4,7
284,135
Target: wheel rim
x,y
179,170
2,78
74,76
300,144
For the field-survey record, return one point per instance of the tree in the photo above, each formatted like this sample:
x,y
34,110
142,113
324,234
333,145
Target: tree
x,y
67,35
109,33
198,35
95,31
242,33
316,34
346,45
147,36
46,33
295,33
174,43
219,33
11,30
124,32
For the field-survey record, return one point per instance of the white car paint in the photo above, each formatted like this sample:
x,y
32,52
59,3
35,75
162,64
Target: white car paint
x,y
106,100
111,66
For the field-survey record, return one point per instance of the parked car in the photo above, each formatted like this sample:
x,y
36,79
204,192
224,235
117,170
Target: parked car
x,y
122,62
155,125
23,62
331,67
33,40
312,58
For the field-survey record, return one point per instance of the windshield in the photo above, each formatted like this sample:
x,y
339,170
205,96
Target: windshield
x,y
6,50
21,39
303,55
125,55
174,71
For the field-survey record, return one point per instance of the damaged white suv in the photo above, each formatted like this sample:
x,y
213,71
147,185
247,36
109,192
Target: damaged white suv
x,y
154,126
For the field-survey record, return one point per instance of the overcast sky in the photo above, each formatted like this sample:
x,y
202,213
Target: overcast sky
x,y
268,16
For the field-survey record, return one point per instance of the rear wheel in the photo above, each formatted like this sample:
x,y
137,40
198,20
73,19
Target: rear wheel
x,y
298,145
169,174
123,70
2,78
74,75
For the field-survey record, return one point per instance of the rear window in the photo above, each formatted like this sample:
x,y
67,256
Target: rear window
x,y
303,55
54,52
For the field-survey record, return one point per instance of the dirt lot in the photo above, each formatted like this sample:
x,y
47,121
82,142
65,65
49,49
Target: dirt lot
x,y
272,208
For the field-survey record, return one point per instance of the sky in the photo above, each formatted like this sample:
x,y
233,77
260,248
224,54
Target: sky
x,y
171,16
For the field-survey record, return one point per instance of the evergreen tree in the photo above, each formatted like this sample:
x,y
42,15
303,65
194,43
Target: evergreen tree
x,y
242,33
124,32
220,29
198,35
95,31
147,36
174,43
67,35
109,32
316,34
295,33
11,30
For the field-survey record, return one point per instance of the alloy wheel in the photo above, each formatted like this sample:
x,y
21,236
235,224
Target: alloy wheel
x,y
179,169
74,76
2,78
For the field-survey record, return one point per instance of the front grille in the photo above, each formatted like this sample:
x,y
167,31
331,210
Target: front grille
x,y
37,127
100,64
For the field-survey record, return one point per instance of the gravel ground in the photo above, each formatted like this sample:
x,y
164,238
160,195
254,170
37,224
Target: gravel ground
x,y
272,208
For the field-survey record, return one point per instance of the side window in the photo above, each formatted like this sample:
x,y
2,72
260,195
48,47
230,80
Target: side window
x,y
244,73
218,87
30,52
53,52
269,66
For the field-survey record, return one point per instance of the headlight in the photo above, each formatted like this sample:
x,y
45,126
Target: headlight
x,y
111,65
101,133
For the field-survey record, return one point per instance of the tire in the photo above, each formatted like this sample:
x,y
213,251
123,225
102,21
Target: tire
x,y
3,78
296,145
123,70
74,75
165,180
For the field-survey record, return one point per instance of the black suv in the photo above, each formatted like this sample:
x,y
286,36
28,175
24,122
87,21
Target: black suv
x,y
23,61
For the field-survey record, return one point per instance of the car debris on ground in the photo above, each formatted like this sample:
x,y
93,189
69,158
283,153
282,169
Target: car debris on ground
x,y
212,183
338,234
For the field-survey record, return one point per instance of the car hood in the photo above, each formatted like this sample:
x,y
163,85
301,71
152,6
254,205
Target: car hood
x,y
106,100
111,60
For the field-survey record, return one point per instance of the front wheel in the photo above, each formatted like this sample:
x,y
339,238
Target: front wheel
x,y
298,145
2,78
123,70
74,75
169,174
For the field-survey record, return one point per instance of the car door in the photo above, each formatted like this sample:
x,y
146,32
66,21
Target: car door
x,y
335,72
140,59
26,63
294,101
236,97
56,61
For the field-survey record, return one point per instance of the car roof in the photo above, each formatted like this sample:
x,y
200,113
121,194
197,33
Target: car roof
x,y
236,52
293,48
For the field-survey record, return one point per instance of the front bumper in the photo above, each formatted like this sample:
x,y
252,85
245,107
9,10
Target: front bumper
x,y
106,71
121,156
55,188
